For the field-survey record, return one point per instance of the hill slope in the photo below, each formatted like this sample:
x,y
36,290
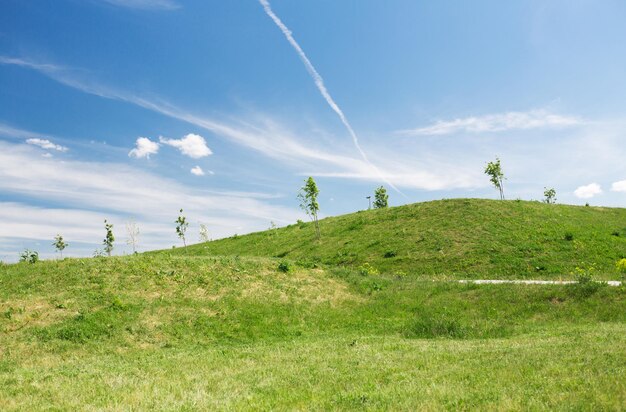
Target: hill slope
x,y
462,238
226,333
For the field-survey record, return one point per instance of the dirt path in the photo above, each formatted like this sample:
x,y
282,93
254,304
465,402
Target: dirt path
x,y
534,282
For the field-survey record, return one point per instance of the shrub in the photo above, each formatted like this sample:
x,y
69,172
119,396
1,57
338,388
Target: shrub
x,y
284,267
569,236
390,253
621,266
367,270
585,285
30,256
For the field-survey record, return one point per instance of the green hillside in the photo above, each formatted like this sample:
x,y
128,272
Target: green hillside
x,y
460,238
167,332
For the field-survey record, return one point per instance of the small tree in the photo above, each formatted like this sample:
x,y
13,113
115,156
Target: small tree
x,y
181,227
30,256
109,238
549,195
381,198
496,176
132,230
59,244
204,233
308,202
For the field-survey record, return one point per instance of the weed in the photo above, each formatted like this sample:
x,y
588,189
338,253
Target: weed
x,y
284,267
569,236
367,270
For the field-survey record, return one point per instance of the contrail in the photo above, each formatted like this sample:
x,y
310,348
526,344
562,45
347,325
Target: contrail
x,y
319,82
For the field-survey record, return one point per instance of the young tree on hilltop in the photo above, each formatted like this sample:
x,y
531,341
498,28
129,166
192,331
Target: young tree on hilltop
x,y
549,195
381,198
59,244
132,229
181,227
204,233
308,202
109,238
496,176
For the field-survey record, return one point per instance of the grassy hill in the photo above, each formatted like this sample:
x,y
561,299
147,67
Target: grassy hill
x,y
460,238
278,320
186,333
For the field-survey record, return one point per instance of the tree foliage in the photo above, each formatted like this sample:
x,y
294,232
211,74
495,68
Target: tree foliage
x,y
381,198
109,238
30,256
496,176
549,195
308,202
181,227
59,244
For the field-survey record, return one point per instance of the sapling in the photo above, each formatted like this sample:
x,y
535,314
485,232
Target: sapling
x,y
496,176
109,238
204,233
132,229
181,227
59,244
549,195
308,202
381,198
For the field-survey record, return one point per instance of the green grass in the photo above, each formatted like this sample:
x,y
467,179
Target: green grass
x,y
460,238
169,332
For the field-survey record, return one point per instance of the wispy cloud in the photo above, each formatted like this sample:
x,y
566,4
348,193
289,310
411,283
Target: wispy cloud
x,y
191,145
46,144
319,82
144,147
145,4
588,191
270,138
500,122
619,186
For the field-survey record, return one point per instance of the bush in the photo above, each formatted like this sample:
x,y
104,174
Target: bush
x,y
585,285
367,270
30,256
284,267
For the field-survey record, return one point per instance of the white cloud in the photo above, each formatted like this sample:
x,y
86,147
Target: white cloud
x,y
192,145
588,191
92,191
145,4
46,144
197,170
619,186
500,122
144,148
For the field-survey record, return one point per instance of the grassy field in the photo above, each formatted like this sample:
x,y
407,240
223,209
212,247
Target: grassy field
x,y
182,333
312,329
460,238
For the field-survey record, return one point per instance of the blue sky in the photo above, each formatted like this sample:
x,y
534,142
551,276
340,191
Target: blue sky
x,y
133,109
